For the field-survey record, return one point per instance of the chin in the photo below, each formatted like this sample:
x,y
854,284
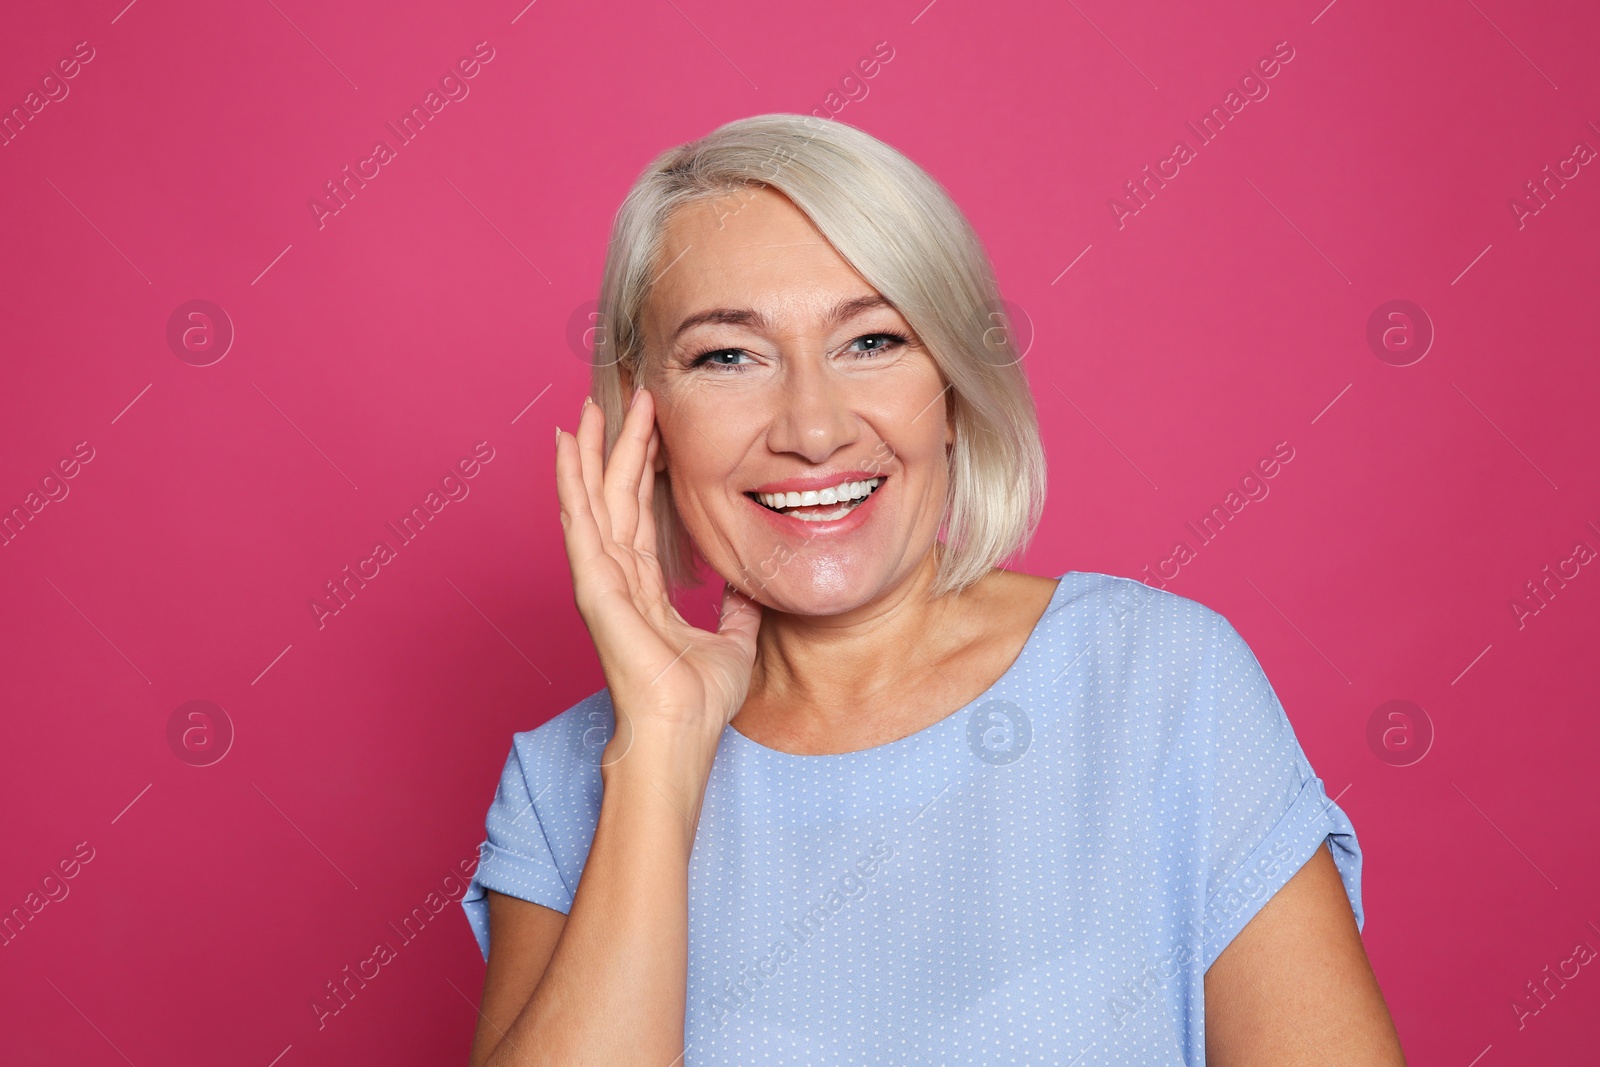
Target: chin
x,y
816,586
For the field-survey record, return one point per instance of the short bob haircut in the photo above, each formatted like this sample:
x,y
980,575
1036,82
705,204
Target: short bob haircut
x,y
899,229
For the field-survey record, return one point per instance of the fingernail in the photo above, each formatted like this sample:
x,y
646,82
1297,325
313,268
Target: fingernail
x,y
558,435
586,402
634,401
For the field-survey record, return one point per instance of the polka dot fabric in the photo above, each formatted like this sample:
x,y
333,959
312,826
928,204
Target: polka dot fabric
x,y
1042,877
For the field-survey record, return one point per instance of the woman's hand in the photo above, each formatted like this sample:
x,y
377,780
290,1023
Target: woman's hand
x,y
660,670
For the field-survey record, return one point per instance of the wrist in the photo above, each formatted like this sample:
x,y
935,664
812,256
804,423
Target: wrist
x,y
659,750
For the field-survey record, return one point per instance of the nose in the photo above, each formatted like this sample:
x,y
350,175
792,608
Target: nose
x,y
813,416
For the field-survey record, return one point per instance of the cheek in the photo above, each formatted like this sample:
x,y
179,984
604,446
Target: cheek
x,y
691,454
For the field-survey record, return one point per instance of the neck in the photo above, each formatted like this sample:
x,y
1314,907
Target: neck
x,y
814,674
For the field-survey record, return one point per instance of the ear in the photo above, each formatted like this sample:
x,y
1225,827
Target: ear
x,y
660,462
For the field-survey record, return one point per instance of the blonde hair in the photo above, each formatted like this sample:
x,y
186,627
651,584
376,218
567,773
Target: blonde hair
x,y
899,229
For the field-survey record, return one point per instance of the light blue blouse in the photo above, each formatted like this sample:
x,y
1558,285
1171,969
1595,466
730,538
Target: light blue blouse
x,y
1041,877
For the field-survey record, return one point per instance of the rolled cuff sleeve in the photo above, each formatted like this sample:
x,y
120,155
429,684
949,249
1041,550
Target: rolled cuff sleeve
x,y
1311,819
1270,810
516,859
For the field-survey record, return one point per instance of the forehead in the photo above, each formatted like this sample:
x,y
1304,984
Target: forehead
x,y
750,248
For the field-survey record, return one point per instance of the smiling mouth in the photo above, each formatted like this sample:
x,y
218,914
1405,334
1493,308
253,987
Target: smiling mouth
x,y
817,510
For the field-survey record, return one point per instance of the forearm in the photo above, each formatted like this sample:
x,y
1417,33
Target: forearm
x,y
614,989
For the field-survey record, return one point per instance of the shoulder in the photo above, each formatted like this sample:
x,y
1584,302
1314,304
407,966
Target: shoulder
x,y
1146,644
1108,605
561,756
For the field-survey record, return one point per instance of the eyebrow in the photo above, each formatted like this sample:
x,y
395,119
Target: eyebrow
x,y
842,312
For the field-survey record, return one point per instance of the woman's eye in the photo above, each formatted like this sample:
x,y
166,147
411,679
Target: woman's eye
x,y
724,359
882,342
716,356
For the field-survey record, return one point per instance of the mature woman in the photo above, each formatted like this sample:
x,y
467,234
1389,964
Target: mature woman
x,y
903,806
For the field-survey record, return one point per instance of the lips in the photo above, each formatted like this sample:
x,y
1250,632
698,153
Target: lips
x,y
816,482
817,519
850,492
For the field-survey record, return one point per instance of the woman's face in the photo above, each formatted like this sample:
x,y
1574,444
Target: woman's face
x,y
777,368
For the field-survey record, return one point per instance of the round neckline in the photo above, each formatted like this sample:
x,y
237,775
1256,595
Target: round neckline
x,y
933,728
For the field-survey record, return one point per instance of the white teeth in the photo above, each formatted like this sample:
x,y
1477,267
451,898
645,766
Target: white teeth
x,y
838,494
829,517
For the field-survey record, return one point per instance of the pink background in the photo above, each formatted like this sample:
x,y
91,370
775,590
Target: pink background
x,y
432,312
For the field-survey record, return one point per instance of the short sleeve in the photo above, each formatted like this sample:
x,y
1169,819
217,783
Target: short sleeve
x,y
1269,811
516,859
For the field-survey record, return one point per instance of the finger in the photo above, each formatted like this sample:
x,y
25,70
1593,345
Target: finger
x,y
599,584
740,620
652,581
579,530
625,468
590,438
644,537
